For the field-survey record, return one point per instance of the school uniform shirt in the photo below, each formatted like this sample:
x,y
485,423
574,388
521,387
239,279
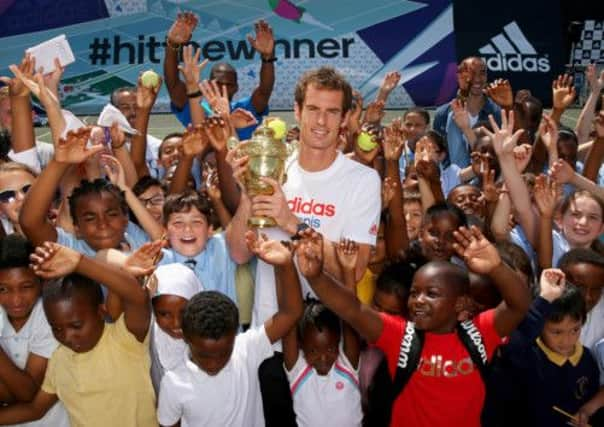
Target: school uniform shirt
x,y
34,337
134,236
229,398
184,115
335,397
543,378
213,266
343,200
109,385
449,178
598,353
560,246
447,389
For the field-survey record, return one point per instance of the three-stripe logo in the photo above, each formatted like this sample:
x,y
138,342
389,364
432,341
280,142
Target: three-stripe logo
x,y
511,51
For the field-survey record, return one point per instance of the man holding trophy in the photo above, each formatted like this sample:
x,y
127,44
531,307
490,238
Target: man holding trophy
x,y
324,190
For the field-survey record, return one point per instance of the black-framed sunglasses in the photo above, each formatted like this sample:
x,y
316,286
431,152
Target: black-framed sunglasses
x,y
8,196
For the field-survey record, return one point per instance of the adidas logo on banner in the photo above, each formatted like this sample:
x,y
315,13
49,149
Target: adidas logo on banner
x,y
511,51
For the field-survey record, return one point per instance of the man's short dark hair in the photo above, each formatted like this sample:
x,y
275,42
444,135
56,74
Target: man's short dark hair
x,y
117,92
324,78
210,314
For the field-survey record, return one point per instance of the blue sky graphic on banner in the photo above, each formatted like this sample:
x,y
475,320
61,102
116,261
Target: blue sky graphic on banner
x,y
114,40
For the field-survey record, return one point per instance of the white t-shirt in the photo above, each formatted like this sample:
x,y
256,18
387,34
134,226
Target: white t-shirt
x,y
34,337
343,200
230,398
333,399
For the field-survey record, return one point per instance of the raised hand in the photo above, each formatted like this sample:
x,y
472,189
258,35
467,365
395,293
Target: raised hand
x,y
143,261
242,118
548,130
213,187
118,137
114,170
552,284
217,98
546,195
146,96
563,92
238,164
72,149
500,91
181,30
478,253
561,172
504,138
394,140
51,260
194,141
390,81
309,253
272,252
591,75
425,150
387,191
374,112
218,130
347,253
264,43
191,68
461,117
427,170
25,69
489,188
52,79
522,156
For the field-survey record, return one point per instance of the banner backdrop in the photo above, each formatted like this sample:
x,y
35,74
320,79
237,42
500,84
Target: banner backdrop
x,y
114,40
520,42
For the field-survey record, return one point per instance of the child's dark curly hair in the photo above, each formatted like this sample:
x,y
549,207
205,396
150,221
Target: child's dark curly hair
x,y
15,251
210,314
68,287
318,316
97,187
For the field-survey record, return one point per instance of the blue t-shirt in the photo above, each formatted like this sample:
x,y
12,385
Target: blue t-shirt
x,y
213,266
184,115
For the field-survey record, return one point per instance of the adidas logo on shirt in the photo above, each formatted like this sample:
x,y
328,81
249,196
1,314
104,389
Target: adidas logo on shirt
x,y
511,51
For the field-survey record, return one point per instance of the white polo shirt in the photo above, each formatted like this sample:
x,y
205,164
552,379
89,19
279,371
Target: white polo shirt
x,y
35,337
230,398
333,399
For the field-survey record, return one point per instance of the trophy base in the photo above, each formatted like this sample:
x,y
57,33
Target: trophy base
x,y
261,222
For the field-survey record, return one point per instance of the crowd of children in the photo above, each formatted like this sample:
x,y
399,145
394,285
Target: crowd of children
x,y
443,276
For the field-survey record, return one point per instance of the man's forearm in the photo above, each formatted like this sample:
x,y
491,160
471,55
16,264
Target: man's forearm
x,y
236,230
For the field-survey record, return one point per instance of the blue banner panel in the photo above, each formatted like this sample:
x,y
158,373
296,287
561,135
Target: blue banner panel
x,y
115,40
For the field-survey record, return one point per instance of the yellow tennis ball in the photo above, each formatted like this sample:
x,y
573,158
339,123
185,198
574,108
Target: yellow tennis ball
x,y
150,79
365,141
279,128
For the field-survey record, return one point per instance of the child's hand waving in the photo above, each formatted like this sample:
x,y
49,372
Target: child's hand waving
x,y
552,284
143,261
270,251
51,260
347,253
72,149
479,254
309,250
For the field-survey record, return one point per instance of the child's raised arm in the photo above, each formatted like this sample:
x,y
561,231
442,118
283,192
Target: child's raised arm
x,y
52,260
289,295
68,151
482,258
545,199
347,252
337,298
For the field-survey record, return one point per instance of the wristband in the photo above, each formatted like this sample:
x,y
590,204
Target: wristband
x,y
194,94
269,60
